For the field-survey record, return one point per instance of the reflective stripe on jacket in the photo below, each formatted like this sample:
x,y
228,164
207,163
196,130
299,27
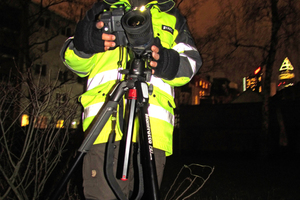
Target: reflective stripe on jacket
x,y
102,71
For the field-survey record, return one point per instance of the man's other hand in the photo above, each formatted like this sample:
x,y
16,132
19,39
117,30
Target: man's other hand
x,y
108,38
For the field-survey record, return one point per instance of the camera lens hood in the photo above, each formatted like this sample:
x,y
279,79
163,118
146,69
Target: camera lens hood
x,y
138,28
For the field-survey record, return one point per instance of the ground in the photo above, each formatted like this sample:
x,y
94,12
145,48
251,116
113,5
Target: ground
x,y
236,176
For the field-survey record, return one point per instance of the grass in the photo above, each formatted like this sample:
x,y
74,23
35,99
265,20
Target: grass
x,y
235,177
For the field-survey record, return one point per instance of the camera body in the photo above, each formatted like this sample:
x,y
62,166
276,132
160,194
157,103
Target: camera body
x,y
113,25
132,29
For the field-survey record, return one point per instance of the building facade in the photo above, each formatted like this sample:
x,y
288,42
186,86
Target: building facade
x,y
29,50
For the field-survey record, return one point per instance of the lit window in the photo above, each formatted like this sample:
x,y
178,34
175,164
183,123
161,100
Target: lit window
x,y
75,124
259,79
196,100
60,123
201,93
25,120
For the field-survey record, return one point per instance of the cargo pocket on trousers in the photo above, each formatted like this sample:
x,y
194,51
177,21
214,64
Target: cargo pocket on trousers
x,y
90,170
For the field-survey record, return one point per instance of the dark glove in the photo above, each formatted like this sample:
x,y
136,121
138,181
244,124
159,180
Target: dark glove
x,y
168,63
87,37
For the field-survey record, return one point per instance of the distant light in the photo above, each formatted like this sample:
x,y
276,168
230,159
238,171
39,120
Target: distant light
x,y
75,124
257,70
60,124
25,120
244,84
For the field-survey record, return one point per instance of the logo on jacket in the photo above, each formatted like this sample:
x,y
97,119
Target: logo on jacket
x,y
167,28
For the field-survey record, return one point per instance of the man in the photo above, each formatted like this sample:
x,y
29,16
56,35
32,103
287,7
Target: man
x,y
93,53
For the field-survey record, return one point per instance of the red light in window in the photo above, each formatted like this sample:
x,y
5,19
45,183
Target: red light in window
x,y
257,70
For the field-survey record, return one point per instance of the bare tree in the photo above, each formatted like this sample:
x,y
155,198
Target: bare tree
x,y
30,151
250,34
189,10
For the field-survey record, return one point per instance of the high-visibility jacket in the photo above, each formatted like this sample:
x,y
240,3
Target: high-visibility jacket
x,y
102,71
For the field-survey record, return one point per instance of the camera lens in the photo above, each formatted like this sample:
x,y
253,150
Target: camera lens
x,y
138,27
136,21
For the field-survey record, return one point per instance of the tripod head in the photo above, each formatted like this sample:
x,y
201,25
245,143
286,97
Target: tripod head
x,y
138,66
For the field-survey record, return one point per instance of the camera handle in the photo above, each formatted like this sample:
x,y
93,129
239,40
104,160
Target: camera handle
x,y
135,84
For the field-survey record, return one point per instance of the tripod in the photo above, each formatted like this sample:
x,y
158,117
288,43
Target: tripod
x,y
136,87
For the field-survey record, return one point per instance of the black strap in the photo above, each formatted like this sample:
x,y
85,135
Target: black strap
x,y
109,162
121,103
121,112
141,178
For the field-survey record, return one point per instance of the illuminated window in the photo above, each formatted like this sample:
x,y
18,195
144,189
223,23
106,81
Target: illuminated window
x,y
196,100
75,124
25,120
60,123
200,83
259,79
201,93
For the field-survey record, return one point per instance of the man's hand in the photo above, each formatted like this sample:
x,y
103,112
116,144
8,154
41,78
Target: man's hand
x,y
165,63
155,56
108,38
90,38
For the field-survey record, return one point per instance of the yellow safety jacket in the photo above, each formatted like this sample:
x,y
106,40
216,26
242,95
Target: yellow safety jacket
x,y
102,71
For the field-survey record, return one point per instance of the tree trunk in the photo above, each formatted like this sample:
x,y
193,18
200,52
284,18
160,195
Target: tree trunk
x,y
265,141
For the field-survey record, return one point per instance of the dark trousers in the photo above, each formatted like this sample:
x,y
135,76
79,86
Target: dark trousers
x,y
94,182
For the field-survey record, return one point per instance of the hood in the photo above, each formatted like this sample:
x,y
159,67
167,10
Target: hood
x,y
163,5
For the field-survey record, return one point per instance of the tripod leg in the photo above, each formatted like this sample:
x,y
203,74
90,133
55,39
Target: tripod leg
x,y
97,125
94,130
102,117
147,152
125,149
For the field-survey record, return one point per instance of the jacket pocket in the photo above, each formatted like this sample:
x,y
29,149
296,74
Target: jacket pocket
x,y
96,95
162,99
